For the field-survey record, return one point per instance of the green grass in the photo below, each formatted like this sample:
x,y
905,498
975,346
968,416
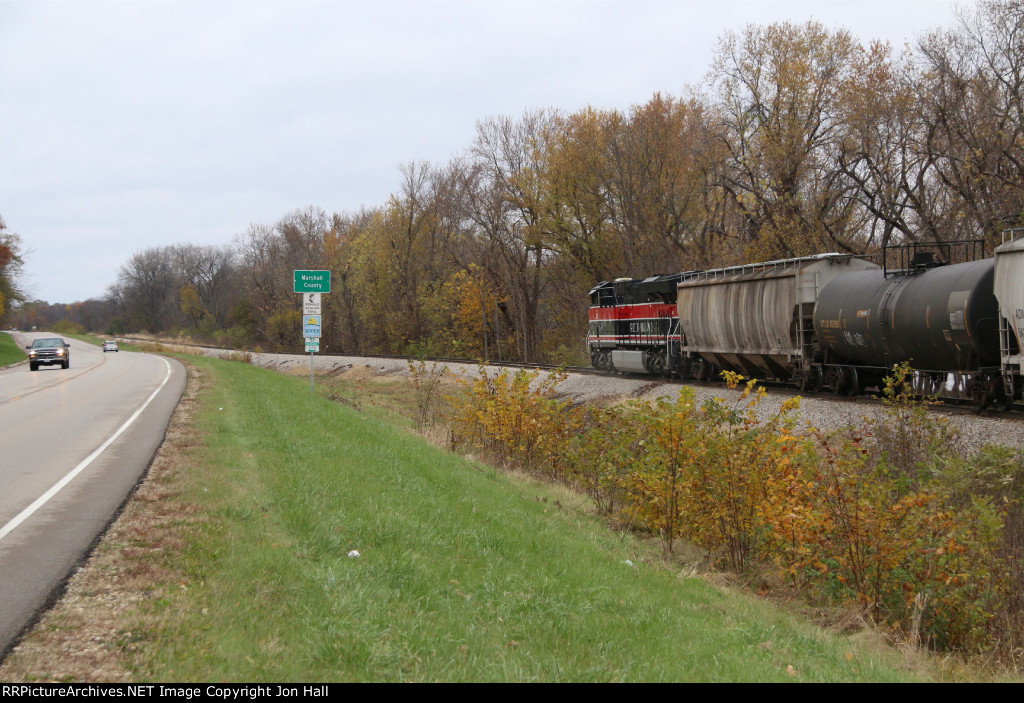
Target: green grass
x,y
10,352
465,574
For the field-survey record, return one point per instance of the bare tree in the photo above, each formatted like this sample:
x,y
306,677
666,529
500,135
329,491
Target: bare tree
x,y
211,273
778,90
510,210
147,288
973,113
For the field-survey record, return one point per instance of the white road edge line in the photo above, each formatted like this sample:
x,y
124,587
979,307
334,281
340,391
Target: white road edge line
x,y
42,500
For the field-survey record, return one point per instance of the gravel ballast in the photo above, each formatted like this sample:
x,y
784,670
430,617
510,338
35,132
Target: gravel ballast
x,y
825,413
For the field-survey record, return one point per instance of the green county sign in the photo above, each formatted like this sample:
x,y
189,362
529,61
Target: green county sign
x,y
312,281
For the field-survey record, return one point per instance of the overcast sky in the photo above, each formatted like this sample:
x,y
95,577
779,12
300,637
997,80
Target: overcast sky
x,y
127,125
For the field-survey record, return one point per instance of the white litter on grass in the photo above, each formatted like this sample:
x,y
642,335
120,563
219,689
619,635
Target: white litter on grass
x,y
628,562
353,553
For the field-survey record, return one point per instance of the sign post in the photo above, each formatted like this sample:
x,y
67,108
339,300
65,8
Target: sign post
x,y
311,284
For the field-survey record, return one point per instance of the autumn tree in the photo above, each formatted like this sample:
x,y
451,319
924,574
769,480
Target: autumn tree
x,y
469,311
662,162
146,290
777,92
267,257
376,288
399,262
879,152
208,277
263,268
576,207
509,209
93,315
11,263
345,329
972,95
414,246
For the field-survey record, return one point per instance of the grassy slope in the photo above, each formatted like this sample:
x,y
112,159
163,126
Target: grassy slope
x,y
10,352
464,573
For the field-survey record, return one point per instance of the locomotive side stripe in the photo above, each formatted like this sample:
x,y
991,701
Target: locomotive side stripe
x,y
624,339
632,312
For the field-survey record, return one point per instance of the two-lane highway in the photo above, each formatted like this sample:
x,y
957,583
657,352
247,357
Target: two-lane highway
x,y
73,444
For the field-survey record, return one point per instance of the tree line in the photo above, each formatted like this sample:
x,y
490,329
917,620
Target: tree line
x,y
11,264
800,140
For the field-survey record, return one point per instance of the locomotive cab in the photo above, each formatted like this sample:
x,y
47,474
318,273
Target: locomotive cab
x,y
633,325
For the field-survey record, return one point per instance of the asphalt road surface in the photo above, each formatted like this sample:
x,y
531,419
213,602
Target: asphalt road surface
x,y
73,444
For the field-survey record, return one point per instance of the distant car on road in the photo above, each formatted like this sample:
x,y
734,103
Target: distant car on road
x,y
46,351
110,345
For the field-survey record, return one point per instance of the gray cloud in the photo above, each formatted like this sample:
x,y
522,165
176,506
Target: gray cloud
x,y
130,125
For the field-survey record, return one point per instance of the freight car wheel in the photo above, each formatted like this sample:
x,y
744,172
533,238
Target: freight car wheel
x,y
803,382
928,384
817,379
810,380
699,370
838,380
1011,390
852,381
657,365
708,374
984,391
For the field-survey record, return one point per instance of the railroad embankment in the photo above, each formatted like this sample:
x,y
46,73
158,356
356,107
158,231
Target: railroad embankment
x,y
283,535
823,410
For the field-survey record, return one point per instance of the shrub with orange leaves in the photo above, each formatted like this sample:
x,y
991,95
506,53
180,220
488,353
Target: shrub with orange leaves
x,y
514,417
862,517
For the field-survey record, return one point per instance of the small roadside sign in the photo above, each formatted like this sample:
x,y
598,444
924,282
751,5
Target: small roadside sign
x,y
312,281
311,326
312,344
310,303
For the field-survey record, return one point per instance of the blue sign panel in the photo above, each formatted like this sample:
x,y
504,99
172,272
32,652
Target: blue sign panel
x,y
311,326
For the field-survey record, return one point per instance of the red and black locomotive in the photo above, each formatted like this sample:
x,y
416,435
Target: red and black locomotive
x,y
634,325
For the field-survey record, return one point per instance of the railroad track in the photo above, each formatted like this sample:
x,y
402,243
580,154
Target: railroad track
x,y
950,407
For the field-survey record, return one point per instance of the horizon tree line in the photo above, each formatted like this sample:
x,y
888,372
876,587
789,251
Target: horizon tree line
x,y
800,140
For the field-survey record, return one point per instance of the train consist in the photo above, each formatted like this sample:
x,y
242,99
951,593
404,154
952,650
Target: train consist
x,y
834,322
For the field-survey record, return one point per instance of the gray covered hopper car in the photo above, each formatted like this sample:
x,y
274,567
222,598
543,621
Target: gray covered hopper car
x,y
758,319
1009,292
